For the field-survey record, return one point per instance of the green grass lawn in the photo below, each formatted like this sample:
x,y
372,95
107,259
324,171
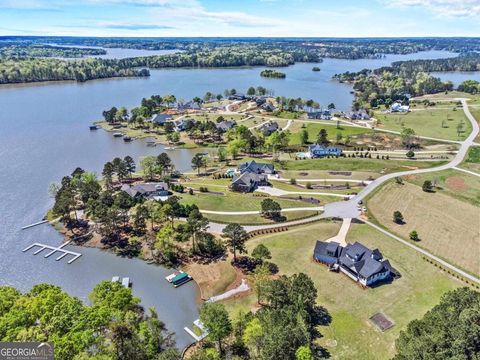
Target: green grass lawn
x,y
449,95
258,219
296,188
232,201
357,164
332,131
472,161
350,306
428,122
475,110
454,183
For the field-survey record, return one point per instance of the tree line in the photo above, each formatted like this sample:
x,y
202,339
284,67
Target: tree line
x,y
112,326
14,50
49,69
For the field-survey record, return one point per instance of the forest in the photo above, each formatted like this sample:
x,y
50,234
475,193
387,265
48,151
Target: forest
x,y
357,48
10,50
42,69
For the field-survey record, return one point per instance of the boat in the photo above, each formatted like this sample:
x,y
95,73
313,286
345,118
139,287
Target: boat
x,y
180,279
127,138
170,277
169,148
151,143
93,127
117,134
126,282
116,279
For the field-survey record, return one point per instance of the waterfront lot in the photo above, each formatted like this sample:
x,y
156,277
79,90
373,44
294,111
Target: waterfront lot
x,y
447,226
433,122
350,334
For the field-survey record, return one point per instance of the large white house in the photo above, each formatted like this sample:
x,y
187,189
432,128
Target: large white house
x,y
398,107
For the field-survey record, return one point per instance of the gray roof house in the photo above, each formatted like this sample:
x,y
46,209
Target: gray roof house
x,y
268,127
360,114
323,114
256,168
161,119
181,124
226,125
316,151
146,190
248,181
358,262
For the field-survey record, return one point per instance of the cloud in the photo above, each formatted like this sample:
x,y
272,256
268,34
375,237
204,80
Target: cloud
x,y
450,8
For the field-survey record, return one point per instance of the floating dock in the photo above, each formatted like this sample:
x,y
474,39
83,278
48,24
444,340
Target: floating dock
x,y
53,250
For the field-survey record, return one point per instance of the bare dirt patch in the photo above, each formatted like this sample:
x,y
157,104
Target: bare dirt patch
x,y
456,183
213,278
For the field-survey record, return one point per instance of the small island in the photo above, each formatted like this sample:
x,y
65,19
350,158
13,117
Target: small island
x,y
315,68
273,74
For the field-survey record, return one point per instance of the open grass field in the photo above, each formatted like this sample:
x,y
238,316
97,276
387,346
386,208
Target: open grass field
x,y
450,95
447,227
324,174
332,131
454,183
472,161
475,110
432,122
350,164
258,219
232,201
350,334
301,187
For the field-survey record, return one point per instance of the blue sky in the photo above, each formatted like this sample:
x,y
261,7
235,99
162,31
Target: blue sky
x,y
315,18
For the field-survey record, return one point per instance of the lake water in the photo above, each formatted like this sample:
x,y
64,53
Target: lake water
x,y
44,135
457,77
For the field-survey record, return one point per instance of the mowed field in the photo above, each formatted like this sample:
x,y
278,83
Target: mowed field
x,y
447,227
232,201
350,335
314,128
434,122
356,164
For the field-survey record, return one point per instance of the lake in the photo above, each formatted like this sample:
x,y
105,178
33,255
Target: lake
x,y
44,135
457,77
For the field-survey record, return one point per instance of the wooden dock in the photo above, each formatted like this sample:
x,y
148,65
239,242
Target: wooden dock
x,y
53,250
35,224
